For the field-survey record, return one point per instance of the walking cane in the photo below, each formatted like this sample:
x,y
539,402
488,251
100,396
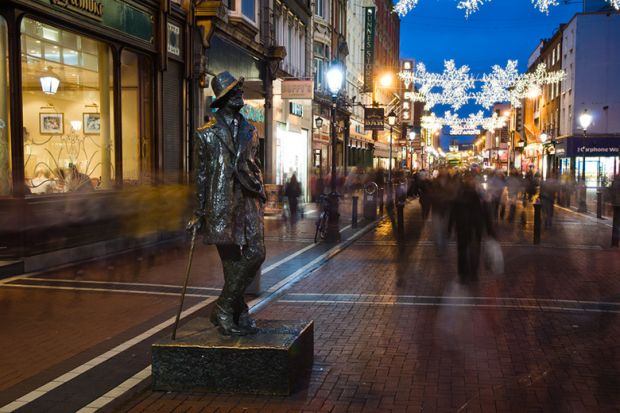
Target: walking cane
x,y
189,266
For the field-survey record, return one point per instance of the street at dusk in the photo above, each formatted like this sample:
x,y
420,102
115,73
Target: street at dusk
x,y
309,206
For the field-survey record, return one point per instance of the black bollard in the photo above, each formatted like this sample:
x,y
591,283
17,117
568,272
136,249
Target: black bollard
x,y
354,211
380,201
537,208
615,230
401,220
599,203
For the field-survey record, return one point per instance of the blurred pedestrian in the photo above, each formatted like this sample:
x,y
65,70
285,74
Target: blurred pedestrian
x,y
293,192
548,191
471,221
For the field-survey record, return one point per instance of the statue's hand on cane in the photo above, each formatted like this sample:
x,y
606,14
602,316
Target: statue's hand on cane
x,y
195,223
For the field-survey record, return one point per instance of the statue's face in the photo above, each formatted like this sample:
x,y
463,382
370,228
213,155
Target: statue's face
x,y
235,98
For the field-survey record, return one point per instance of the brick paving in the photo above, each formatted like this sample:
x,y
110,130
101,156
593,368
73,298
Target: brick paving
x,y
394,330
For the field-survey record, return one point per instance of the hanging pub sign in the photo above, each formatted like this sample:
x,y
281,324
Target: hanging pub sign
x,y
297,89
374,118
88,8
369,47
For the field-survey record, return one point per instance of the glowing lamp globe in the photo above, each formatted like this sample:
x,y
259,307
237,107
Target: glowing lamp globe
x,y
334,79
585,119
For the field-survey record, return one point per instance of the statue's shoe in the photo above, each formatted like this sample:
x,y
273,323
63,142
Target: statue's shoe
x,y
225,323
247,323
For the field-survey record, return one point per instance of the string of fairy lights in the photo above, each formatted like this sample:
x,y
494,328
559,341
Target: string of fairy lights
x,y
463,126
471,6
456,87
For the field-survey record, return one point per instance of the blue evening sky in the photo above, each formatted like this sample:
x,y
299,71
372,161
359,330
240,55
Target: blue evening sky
x,y
501,30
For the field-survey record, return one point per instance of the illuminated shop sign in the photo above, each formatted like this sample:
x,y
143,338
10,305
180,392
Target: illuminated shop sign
x,y
89,8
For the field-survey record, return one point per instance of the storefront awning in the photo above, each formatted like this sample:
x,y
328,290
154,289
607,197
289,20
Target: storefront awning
x,y
588,146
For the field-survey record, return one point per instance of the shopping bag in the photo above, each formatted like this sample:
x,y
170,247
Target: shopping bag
x,y
493,256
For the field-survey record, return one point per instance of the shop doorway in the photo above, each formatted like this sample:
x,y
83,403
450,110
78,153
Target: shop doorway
x,y
292,156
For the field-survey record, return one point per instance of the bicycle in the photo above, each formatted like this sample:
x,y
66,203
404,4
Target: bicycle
x,y
323,221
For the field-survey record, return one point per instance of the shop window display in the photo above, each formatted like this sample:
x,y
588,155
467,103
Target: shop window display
x,y
5,147
67,110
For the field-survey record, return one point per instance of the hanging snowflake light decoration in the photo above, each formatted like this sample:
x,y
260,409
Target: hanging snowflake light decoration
x,y
469,125
543,5
471,6
455,87
495,85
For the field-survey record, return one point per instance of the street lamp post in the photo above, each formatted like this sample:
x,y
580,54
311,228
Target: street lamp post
x,y
423,148
391,122
584,120
334,83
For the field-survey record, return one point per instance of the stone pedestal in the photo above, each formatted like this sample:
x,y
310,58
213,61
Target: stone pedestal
x,y
275,361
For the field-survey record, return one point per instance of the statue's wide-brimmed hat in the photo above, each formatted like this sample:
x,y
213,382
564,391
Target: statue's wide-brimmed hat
x,y
221,84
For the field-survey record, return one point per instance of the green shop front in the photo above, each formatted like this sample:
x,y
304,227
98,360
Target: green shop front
x,y
92,108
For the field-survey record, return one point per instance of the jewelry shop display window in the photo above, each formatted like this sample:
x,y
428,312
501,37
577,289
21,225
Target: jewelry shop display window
x,y
5,141
67,89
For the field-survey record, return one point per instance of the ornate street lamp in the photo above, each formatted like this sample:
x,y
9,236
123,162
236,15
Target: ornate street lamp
x,y
335,77
585,119
318,122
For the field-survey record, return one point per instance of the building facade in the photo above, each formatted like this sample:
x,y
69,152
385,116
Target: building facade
x,y
590,58
93,109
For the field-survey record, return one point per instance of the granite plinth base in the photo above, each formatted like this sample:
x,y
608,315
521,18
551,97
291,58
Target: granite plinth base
x,y
275,361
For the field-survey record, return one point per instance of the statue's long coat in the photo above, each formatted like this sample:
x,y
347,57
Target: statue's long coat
x,y
229,183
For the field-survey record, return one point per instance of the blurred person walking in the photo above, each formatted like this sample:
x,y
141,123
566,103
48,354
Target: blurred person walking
x,y
293,191
470,217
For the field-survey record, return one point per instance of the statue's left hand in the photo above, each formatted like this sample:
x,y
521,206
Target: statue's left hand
x,y
196,223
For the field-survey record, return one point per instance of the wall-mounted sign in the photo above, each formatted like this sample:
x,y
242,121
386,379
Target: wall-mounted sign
x,y
88,8
580,146
297,89
374,118
369,47
296,109
174,39
113,14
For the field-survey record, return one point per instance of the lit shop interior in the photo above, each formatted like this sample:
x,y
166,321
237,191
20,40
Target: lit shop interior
x,y
68,112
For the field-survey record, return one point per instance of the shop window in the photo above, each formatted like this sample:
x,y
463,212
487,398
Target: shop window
x,y
5,139
67,110
136,121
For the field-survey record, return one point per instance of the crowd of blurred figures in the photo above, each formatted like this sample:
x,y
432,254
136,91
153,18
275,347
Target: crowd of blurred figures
x,y
468,203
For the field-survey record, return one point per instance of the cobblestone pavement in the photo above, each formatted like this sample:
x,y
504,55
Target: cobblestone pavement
x,y
394,329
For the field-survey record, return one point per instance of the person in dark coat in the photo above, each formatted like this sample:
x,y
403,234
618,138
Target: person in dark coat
x,y
293,192
471,219
231,197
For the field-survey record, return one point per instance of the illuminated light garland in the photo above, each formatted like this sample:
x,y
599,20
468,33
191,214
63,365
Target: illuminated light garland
x,y
431,122
463,126
453,86
471,6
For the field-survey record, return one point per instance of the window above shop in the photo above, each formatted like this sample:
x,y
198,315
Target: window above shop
x,y
244,10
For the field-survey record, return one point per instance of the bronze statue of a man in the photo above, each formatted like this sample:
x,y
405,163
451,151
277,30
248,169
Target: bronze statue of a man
x,y
229,188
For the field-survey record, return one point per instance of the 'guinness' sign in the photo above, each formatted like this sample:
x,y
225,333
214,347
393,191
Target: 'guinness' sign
x,y
89,8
